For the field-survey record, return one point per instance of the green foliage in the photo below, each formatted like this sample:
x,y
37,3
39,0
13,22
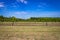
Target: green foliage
x,y
2,18
32,19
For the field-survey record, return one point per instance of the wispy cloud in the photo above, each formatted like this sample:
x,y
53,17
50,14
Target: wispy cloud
x,y
42,5
49,14
22,12
23,1
1,4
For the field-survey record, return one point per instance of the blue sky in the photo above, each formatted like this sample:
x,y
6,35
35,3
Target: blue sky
x,y
30,8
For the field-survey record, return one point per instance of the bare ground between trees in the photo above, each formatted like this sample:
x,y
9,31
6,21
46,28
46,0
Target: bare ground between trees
x,y
29,23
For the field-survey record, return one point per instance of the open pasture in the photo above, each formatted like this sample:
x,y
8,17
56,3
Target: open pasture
x,y
29,33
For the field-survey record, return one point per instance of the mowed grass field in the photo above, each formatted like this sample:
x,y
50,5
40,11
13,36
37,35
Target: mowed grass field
x,y
29,33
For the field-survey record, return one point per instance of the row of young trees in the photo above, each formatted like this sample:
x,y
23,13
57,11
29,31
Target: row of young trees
x,y
32,19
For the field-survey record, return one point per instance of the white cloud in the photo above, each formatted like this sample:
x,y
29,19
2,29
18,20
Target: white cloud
x,y
22,12
1,4
23,1
15,4
42,5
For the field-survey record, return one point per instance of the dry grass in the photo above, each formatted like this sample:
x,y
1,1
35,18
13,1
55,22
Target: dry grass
x,y
30,24
29,33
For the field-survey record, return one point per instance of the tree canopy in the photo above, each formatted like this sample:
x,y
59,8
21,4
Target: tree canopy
x,y
32,19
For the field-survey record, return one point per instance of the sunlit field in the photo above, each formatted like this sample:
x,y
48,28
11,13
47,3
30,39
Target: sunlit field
x,y
29,19
29,33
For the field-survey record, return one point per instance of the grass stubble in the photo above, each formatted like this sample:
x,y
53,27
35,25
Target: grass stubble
x,y
29,33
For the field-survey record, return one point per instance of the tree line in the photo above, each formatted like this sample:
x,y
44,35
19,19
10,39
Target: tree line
x,y
32,19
